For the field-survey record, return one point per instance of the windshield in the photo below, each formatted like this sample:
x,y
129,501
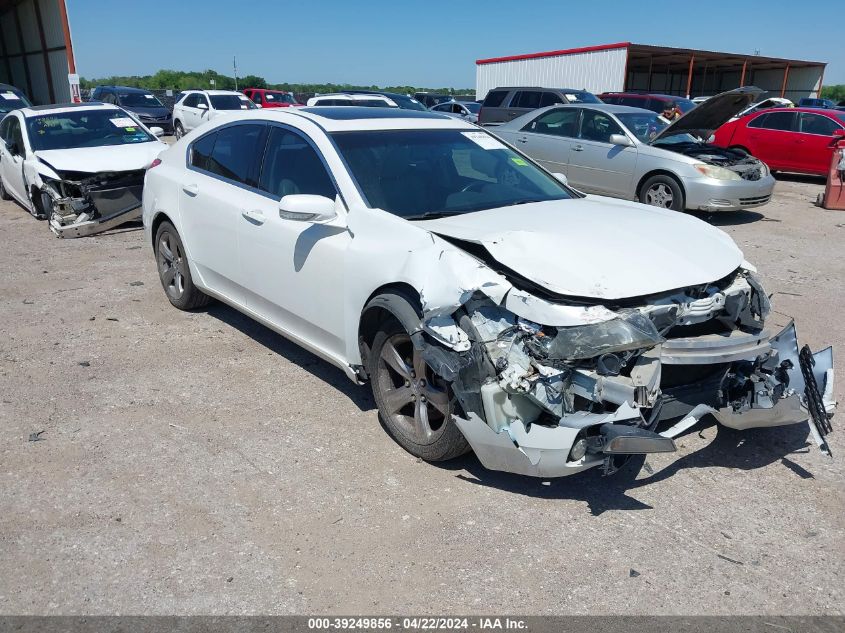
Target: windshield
x,y
418,174
139,99
279,97
12,100
582,96
644,125
231,102
408,103
84,128
685,105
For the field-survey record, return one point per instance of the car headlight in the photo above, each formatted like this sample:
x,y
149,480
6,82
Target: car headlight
x,y
719,173
630,331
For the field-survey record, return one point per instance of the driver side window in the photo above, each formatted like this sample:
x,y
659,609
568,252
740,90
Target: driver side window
x,y
292,166
13,134
597,126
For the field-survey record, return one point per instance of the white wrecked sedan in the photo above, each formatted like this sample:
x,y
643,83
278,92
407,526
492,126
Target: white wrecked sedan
x,y
490,306
79,166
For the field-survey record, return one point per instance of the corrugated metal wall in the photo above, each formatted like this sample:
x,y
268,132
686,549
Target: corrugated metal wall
x,y
597,71
38,68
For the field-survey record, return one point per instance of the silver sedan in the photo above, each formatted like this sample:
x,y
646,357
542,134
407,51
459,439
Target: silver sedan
x,y
636,154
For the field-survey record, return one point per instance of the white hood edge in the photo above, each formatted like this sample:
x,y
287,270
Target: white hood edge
x,y
102,159
598,248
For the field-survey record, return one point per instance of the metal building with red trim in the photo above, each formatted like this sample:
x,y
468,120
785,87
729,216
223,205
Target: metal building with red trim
x,y
36,52
625,66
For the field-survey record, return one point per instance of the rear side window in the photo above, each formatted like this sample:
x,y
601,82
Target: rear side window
x,y
291,166
557,122
818,124
235,151
784,121
526,99
656,105
550,98
201,151
634,102
494,98
191,100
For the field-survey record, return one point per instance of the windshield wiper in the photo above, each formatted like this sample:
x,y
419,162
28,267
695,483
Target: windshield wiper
x,y
432,215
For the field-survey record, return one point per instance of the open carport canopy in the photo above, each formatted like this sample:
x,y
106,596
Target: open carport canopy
x,y
36,53
703,73
625,66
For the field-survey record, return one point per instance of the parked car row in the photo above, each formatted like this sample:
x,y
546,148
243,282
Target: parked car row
x,y
450,266
460,278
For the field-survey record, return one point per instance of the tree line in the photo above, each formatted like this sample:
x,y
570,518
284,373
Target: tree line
x,y
835,93
184,80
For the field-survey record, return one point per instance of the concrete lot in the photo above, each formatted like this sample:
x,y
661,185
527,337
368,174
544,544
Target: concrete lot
x,y
198,463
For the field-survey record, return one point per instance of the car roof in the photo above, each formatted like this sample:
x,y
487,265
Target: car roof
x,y
66,107
354,118
126,89
829,111
213,92
539,88
604,107
349,95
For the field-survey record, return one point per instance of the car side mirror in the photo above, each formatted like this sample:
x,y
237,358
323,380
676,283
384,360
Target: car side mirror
x,y
561,177
621,139
304,207
157,131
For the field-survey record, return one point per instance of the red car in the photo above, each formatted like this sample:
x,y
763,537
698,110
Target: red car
x,y
787,139
271,98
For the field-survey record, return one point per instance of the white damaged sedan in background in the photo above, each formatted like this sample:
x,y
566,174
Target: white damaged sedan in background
x,y
490,306
78,166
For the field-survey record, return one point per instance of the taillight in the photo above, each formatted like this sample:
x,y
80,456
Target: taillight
x,y
155,163
479,115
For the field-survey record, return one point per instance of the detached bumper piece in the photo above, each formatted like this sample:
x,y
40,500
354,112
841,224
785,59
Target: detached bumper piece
x,y
820,419
95,204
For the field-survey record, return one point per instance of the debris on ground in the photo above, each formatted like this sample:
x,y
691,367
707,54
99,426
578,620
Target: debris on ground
x,y
36,437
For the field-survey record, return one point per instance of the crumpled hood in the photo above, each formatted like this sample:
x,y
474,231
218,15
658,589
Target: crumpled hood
x,y
709,116
598,247
97,159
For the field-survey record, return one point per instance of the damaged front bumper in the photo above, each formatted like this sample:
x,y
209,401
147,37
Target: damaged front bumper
x,y
579,441
77,207
549,401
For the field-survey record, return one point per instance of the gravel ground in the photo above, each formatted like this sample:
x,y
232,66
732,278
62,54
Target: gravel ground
x,y
198,463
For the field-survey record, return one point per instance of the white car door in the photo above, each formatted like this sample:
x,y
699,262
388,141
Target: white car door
x,y
595,164
293,268
12,152
222,164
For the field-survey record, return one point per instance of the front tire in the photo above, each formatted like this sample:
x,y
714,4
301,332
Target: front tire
x,y
174,271
4,195
664,192
415,405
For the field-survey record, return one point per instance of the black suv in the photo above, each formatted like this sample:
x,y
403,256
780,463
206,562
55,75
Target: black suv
x,y
142,103
504,104
11,99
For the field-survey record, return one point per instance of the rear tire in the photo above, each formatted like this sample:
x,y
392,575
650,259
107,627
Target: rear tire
x,y
174,271
664,192
178,130
414,404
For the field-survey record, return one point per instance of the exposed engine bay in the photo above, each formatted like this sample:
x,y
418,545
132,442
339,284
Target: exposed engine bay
x,y
552,400
83,203
748,167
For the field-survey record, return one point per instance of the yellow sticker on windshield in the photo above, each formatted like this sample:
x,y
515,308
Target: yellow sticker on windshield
x,y
130,129
516,160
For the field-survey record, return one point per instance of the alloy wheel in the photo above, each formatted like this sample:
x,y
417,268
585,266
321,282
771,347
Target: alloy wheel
x,y
417,401
660,195
171,265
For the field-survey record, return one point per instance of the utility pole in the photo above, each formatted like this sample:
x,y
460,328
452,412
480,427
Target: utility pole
x,y
235,66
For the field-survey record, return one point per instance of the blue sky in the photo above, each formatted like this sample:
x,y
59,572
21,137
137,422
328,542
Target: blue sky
x,y
433,43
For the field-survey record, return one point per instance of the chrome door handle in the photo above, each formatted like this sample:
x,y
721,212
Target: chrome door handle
x,y
191,189
578,148
254,216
